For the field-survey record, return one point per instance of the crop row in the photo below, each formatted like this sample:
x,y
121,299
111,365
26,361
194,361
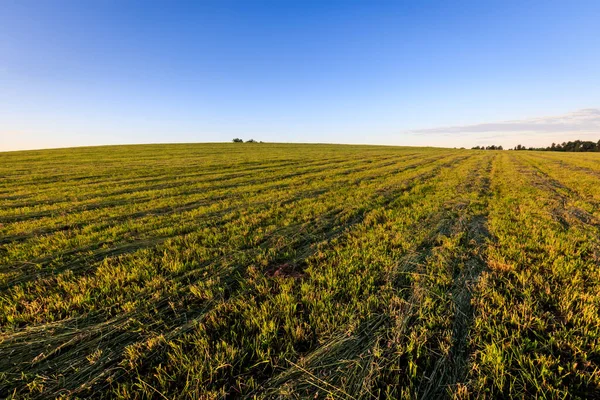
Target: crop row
x,y
299,271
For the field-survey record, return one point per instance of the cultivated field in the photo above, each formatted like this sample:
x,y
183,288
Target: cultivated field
x,y
299,271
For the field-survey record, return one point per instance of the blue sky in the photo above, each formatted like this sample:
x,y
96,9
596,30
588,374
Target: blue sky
x,y
101,72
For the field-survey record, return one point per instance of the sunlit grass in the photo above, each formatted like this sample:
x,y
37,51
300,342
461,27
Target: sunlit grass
x,y
265,270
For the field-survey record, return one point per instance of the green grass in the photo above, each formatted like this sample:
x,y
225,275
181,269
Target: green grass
x,y
299,271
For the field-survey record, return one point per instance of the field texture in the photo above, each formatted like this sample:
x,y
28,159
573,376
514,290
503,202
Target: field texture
x,y
299,271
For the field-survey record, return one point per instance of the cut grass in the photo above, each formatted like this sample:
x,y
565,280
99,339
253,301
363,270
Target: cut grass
x,y
276,271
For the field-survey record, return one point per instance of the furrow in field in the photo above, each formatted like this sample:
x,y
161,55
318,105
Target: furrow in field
x,y
135,174
575,204
357,361
128,179
174,178
145,193
293,272
89,264
542,283
216,191
423,177
221,215
208,194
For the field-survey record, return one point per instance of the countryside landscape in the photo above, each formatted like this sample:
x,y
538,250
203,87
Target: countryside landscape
x,y
258,270
305,200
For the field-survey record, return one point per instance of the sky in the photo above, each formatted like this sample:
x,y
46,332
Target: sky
x,y
415,73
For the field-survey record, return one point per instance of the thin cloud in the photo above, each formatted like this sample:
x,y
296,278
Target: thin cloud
x,y
582,121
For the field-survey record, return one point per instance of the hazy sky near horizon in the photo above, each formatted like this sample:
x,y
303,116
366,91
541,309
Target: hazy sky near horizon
x,y
433,73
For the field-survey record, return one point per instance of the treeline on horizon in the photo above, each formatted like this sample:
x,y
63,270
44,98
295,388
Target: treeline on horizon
x,y
575,146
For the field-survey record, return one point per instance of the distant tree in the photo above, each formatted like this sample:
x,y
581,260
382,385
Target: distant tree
x,y
575,146
238,140
251,141
490,147
588,146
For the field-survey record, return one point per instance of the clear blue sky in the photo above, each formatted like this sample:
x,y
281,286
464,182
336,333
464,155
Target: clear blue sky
x,y
99,72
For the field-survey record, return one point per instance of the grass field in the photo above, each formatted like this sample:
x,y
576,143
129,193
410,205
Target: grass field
x,y
299,271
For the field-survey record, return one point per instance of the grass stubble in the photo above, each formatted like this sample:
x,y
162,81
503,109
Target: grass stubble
x,y
296,271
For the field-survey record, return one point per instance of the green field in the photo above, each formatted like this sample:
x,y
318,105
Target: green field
x,y
299,271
